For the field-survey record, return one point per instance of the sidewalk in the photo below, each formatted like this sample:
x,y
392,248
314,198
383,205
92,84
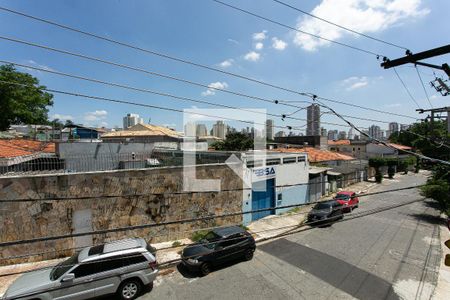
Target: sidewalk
x,y
442,290
274,225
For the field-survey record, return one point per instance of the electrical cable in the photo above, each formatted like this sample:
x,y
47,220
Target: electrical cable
x,y
188,62
15,200
384,143
340,26
299,226
406,88
298,30
423,86
147,72
142,226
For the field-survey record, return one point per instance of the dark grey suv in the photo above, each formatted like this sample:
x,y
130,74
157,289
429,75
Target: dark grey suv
x,y
123,267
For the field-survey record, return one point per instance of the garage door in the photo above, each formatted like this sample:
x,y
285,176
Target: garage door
x,y
263,198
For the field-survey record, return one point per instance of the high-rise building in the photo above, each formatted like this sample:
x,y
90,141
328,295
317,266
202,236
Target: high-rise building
x,y
201,130
332,135
342,135
280,134
323,131
375,132
220,130
393,127
131,120
313,120
269,129
351,134
404,127
189,129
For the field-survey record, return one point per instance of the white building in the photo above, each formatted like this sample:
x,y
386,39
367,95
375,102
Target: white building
x,y
131,120
375,132
276,179
220,130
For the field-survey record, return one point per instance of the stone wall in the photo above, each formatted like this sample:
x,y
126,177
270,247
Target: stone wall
x,y
25,220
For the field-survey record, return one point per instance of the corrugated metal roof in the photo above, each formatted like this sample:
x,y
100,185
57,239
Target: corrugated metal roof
x,y
140,130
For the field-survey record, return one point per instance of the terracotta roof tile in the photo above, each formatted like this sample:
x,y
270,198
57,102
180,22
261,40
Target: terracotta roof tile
x,y
317,155
21,147
339,142
400,147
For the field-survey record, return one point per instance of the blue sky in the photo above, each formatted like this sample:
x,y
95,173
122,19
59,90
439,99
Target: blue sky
x,y
206,32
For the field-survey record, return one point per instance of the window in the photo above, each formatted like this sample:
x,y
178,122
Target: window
x,y
136,259
273,161
87,269
96,250
301,158
289,160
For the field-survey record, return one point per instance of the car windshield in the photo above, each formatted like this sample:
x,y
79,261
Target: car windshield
x,y
342,197
61,268
209,238
322,206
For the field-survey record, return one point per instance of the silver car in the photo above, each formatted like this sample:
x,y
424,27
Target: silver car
x,y
123,267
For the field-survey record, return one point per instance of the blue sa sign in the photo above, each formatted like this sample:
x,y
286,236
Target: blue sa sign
x,y
264,172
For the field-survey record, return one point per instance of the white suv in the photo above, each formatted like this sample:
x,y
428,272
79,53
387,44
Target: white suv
x,y
123,267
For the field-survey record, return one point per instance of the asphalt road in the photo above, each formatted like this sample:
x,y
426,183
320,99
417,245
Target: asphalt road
x,y
393,254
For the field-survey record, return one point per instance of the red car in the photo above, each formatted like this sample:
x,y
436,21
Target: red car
x,y
348,200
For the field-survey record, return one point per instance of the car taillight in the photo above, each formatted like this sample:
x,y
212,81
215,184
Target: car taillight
x,y
153,264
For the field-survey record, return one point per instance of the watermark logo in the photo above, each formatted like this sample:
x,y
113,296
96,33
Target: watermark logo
x,y
222,121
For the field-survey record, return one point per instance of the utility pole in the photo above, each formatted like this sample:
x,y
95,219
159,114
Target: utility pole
x,y
414,58
433,111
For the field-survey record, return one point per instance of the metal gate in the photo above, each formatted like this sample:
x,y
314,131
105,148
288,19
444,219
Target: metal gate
x,y
263,198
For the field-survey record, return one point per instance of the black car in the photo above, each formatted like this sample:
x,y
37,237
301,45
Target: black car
x,y
325,212
218,246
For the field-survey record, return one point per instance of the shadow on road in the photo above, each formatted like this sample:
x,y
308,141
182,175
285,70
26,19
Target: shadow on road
x,y
189,274
431,219
336,272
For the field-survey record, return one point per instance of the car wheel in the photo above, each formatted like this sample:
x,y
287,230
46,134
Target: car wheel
x,y
249,254
205,269
130,289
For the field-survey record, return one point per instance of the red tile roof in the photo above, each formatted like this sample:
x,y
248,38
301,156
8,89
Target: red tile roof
x,y
317,155
339,142
19,147
400,147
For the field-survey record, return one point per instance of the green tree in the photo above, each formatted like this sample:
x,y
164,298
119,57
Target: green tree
x,y
21,104
235,141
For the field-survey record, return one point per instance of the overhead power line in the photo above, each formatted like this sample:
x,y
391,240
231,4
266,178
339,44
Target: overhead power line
x,y
152,73
298,30
94,197
143,226
406,88
163,94
184,61
423,86
144,105
340,26
382,142
294,229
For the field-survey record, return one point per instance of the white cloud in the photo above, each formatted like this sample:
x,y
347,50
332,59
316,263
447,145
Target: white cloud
x,y
354,82
252,56
259,46
32,63
62,117
278,44
259,36
97,115
233,41
365,16
226,63
213,87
